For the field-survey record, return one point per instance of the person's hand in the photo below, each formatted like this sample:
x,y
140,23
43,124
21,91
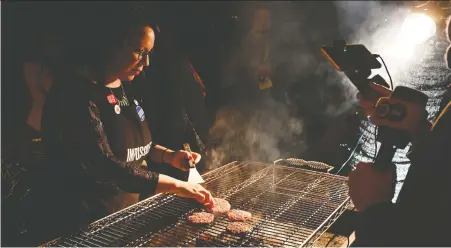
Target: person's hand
x,y
194,191
368,186
180,159
368,105
415,120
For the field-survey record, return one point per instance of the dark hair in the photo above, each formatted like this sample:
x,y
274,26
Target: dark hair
x,y
99,27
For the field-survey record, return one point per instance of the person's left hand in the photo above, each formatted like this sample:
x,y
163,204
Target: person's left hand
x,y
179,159
368,186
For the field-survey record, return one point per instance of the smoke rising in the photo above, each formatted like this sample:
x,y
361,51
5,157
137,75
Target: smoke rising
x,y
379,26
310,89
264,135
305,85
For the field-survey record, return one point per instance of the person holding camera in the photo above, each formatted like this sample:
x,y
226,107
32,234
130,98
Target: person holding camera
x,y
421,216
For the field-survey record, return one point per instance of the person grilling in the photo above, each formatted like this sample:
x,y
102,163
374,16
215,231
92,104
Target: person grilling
x,y
94,127
421,215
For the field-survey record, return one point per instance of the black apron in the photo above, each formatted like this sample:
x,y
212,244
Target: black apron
x,y
126,126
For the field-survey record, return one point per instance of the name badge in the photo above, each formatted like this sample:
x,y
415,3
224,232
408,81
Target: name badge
x,y
117,109
140,112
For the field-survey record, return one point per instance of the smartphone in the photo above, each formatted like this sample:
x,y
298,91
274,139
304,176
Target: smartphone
x,y
350,57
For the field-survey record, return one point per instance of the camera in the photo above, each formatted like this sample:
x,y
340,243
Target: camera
x,y
356,61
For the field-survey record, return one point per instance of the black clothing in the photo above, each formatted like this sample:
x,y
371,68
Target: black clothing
x,y
421,217
95,152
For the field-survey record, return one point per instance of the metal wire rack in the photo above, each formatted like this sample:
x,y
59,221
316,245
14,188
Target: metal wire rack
x,y
290,207
312,165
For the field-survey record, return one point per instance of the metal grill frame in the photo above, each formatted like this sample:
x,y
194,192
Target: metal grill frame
x,y
294,162
130,212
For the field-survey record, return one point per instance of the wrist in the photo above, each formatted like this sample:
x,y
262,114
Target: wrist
x,y
177,185
168,156
167,184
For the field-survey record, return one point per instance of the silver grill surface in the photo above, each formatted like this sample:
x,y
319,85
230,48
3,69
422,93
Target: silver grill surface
x,y
312,165
290,207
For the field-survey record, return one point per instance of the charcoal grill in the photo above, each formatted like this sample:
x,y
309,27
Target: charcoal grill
x,y
290,206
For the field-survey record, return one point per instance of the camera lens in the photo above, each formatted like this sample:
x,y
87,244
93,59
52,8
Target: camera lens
x,y
383,110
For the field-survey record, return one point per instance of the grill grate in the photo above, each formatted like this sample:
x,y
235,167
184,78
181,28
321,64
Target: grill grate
x,y
312,165
290,207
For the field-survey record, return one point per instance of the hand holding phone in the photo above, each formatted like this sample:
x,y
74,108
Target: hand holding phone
x,y
368,104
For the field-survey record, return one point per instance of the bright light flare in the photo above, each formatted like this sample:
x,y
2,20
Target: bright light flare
x,y
413,32
417,28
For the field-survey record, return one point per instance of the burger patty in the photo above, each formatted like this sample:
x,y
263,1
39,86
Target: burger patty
x,y
238,215
201,218
239,227
221,206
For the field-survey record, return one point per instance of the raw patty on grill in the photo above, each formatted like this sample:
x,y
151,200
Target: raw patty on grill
x,y
201,218
221,206
238,215
239,227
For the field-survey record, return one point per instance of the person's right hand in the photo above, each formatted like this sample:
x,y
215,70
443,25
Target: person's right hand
x,y
194,191
414,122
367,104
368,186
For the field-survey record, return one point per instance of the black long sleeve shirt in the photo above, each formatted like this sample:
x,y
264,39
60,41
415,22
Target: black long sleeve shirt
x,y
95,152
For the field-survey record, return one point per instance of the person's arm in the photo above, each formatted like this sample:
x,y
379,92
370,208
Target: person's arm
x,y
161,154
37,92
30,70
381,223
399,225
421,218
177,159
88,144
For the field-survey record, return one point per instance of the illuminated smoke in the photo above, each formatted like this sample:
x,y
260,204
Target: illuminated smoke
x,y
299,29
266,134
387,29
